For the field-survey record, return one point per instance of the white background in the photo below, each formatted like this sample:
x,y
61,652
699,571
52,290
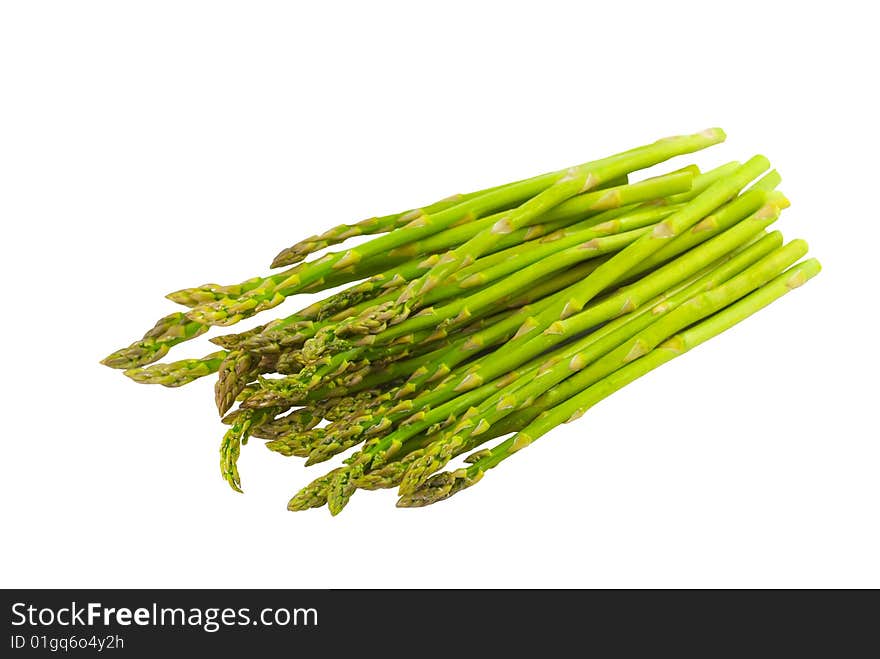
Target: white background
x,y
150,146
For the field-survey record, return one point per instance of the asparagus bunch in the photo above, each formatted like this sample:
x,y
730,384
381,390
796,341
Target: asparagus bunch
x,y
500,313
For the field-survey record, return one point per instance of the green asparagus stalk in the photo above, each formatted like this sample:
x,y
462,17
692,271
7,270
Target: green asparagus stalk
x,y
370,226
238,434
179,373
384,224
155,344
297,421
236,370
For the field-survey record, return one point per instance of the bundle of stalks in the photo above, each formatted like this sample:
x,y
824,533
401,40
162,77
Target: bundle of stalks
x,y
493,315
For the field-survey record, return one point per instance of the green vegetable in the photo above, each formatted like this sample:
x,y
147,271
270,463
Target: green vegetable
x,y
493,315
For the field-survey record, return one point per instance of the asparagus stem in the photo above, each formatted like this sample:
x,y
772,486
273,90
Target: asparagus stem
x,y
179,373
155,344
370,226
384,224
238,434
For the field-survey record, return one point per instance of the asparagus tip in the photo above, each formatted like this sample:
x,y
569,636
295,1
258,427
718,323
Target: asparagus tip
x,y
438,487
285,257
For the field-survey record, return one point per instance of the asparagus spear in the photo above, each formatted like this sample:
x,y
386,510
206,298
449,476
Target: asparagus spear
x,y
297,421
238,434
179,373
442,486
155,344
384,224
370,226
237,369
